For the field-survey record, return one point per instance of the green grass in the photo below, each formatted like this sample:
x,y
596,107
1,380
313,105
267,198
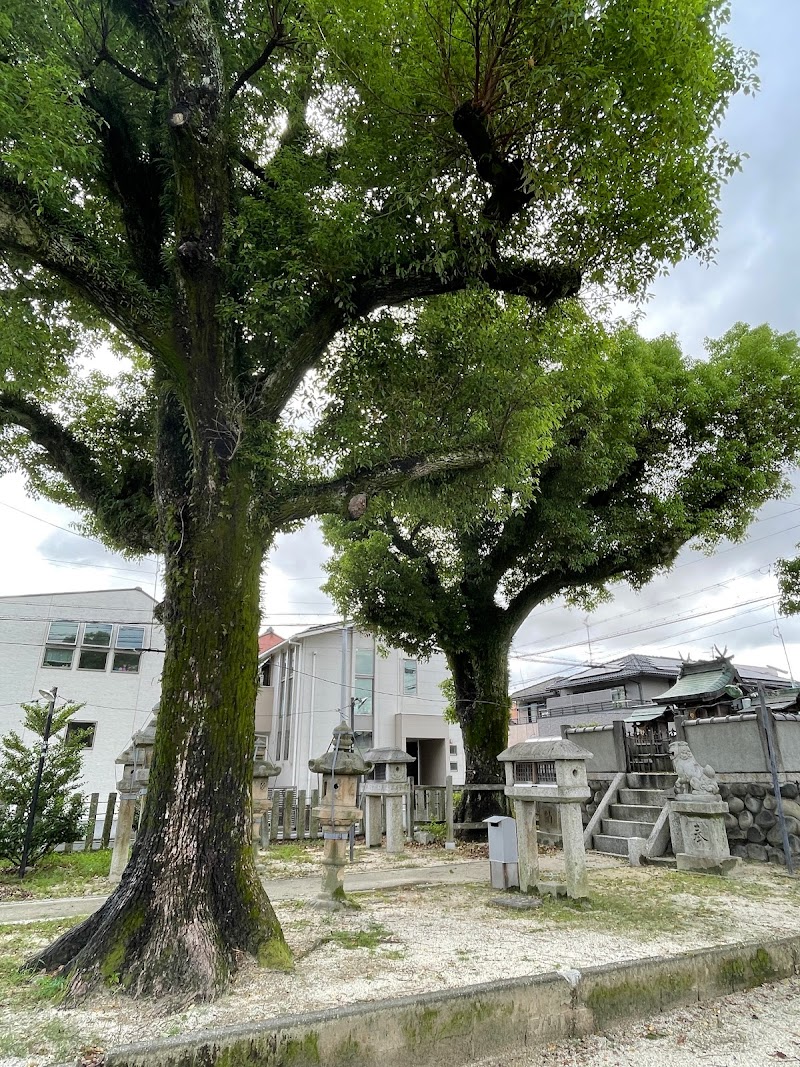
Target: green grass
x,y
651,904
61,874
58,1039
18,941
291,852
374,935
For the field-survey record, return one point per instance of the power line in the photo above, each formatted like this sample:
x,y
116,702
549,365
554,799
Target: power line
x,y
653,626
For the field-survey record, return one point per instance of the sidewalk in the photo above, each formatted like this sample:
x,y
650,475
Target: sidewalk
x,y
305,888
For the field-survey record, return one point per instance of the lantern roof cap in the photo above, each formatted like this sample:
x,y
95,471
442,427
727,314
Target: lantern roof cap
x,y
389,755
537,749
265,768
341,757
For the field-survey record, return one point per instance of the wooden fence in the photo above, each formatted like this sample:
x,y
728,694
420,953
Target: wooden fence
x,y
290,816
99,824
434,804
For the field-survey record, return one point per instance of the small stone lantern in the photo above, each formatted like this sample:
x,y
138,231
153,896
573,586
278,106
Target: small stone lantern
x,y
136,761
550,769
340,767
389,783
263,770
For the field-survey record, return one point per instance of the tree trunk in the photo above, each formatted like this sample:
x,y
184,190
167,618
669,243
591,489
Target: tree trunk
x,y
480,677
190,898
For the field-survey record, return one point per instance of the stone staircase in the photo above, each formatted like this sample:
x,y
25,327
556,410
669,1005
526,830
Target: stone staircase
x,y
639,805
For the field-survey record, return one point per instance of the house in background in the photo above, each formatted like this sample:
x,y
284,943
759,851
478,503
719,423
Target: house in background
x,y
101,648
309,682
600,693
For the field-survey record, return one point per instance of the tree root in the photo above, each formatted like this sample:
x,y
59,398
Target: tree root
x,y
175,946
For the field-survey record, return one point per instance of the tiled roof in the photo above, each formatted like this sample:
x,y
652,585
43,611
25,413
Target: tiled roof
x,y
634,665
704,684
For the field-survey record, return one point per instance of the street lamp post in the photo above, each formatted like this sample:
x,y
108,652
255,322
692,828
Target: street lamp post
x,y
26,844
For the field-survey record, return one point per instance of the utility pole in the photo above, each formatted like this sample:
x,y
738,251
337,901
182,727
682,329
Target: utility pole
x,y
26,844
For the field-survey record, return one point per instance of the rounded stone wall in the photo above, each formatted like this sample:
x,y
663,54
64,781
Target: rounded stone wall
x,y
752,822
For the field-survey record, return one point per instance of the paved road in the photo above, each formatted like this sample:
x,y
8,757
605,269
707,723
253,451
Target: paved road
x,y
305,888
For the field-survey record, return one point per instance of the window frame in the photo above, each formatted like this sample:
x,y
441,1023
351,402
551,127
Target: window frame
x,y
404,668
81,724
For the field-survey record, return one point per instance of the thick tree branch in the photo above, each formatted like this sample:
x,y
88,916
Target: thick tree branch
x,y
623,560
506,177
64,248
135,181
104,56
542,284
349,494
122,503
249,164
279,39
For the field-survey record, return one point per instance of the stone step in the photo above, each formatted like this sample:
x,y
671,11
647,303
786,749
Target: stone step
x,y
636,812
654,797
661,781
668,862
614,846
625,828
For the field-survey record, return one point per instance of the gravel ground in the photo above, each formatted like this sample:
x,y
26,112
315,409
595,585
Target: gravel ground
x,y
760,1028
426,937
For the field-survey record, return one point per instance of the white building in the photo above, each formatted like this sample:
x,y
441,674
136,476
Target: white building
x,y
311,681
102,649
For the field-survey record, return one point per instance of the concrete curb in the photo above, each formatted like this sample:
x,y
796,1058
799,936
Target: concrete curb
x,y
454,1027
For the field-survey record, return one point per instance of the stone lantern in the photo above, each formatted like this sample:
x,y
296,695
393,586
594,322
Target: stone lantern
x,y
340,767
136,761
389,783
263,770
551,770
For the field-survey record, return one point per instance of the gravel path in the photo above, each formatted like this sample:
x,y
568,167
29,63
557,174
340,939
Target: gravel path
x,y
410,938
760,1028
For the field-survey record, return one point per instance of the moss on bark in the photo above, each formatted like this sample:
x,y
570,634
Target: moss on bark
x,y
190,898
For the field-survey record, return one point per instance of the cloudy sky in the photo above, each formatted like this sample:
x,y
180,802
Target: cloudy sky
x,y
728,599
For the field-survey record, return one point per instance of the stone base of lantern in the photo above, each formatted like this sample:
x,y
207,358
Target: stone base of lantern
x,y
575,883
123,835
374,794
336,839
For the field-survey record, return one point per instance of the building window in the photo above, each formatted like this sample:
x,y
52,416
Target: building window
x,y
409,677
61,640
125,663
97,634
128,649
83,731
57,657
260,749
453,749
453,765
94,648
618,696
92,659
364,680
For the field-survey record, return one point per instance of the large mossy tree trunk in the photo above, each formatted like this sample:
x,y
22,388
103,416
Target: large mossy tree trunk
x,y
190,899
480,678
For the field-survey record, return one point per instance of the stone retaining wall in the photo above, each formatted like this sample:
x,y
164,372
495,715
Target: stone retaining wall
x,y
589,807
752,825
